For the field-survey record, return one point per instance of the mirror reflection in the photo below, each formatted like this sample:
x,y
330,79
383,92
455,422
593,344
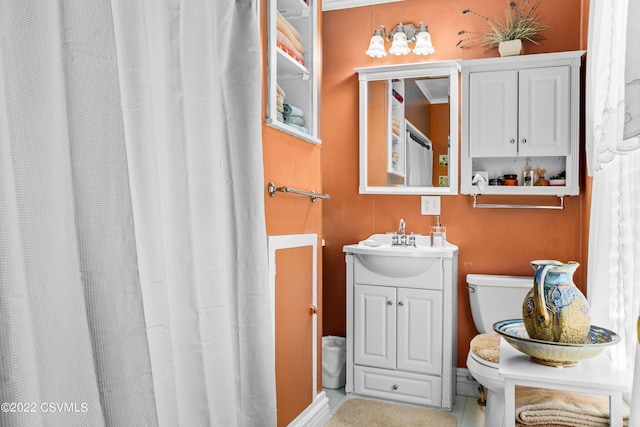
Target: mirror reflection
x,y
407,123
410,147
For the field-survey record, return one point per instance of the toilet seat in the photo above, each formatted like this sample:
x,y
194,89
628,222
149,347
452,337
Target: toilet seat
x,y
485,349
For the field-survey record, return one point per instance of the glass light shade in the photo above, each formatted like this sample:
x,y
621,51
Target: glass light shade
x,y
423,43
399,45
376,46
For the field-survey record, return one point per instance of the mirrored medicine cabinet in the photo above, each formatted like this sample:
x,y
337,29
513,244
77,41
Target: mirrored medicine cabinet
x,y
409,128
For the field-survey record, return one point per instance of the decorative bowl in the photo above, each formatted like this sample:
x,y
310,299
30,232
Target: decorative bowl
x,y
557,182
555,353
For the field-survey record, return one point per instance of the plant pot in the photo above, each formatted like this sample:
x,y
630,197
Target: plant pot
x,y
510,48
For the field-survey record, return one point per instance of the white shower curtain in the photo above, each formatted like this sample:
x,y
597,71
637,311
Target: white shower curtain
x,y
613,139
133,261
419,164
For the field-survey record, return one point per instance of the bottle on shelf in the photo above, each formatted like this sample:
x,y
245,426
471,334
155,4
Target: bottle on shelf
x,y
527,175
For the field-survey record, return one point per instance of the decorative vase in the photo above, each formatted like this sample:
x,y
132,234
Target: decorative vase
x,y
554,309
510,48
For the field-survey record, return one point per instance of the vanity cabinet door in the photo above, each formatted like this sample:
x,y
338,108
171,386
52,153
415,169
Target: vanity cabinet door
x,y
544,127
419,331
375,326
493,114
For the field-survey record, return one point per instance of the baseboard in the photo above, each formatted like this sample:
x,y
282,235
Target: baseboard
x,y
465,384
315,415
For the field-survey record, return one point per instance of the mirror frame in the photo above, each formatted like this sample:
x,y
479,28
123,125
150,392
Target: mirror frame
x,y
449,69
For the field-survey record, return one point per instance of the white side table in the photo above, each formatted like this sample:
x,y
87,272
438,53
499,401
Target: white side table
x,y
591,376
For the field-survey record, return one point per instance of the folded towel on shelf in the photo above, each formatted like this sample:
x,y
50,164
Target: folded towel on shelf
x,y
279,106
544,407
294,120
300,128
279,91
280,116
292,110
290,32
284,43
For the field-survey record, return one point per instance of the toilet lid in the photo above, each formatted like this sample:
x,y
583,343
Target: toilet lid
x,y
486,347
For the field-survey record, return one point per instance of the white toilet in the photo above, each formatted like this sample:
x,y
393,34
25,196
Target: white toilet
x,y
493,298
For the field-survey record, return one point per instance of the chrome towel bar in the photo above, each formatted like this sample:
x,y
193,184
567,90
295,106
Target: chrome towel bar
x,y
272,188
495,206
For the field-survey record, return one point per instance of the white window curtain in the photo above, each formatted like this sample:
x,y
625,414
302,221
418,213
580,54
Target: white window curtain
x,y
133,259
613,139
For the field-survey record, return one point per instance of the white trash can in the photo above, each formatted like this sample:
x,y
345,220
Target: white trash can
x,y
334,356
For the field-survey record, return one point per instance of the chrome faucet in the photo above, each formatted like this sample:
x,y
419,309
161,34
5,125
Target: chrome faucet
x,y
400,238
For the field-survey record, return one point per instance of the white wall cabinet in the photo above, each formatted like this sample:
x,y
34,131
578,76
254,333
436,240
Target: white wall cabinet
x,y
401,331
293,71
520,111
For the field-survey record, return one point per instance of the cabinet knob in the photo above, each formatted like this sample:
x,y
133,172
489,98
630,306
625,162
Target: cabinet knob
x,y
401,303
394,387
389,302
524,140
313,309
512,141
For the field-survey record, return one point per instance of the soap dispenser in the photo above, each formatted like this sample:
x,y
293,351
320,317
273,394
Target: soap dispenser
x,y
438,234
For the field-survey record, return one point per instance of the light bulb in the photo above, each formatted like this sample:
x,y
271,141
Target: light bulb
x,y
399,45
376,45
423,41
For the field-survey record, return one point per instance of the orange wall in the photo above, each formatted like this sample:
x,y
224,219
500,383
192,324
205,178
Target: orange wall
x,y
290,161
492,241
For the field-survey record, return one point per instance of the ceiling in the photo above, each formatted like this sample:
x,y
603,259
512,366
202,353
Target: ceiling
x,y
344,4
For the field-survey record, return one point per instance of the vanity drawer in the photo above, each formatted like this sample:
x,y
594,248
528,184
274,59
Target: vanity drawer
x,y
431,276
396,385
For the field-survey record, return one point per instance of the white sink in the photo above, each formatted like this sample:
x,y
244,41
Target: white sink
x,y
378,255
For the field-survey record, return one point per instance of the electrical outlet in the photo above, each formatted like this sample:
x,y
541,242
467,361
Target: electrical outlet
x,y
430,205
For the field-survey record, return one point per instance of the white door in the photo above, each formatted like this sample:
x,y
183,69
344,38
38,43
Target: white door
x,y
493,114
545,111
374,326
419,330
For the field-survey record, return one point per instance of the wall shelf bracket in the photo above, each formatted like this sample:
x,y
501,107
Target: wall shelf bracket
x,y
498,206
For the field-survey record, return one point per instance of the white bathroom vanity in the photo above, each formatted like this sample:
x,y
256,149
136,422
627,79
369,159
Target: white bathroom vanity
x,y
402,321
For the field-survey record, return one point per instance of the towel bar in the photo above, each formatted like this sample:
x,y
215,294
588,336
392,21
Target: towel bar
x,y
272,188
496,206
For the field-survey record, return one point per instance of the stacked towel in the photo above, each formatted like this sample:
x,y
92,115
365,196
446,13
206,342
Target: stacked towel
x,y
279,100
294,116
289,39
543,407
395,126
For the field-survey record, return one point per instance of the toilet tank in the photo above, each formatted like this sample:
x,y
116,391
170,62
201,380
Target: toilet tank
x,y
494,298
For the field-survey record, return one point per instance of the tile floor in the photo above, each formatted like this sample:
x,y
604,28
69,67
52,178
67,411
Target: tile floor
x,y
465,409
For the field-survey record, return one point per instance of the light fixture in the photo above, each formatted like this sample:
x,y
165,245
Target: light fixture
x,y
376,46
423,41
400,36
400,45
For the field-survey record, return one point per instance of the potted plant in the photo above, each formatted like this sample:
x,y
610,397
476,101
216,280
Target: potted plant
x,y
521,22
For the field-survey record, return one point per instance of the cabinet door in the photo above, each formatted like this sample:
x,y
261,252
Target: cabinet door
x,y
545,111
374,326
493,113
419,330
